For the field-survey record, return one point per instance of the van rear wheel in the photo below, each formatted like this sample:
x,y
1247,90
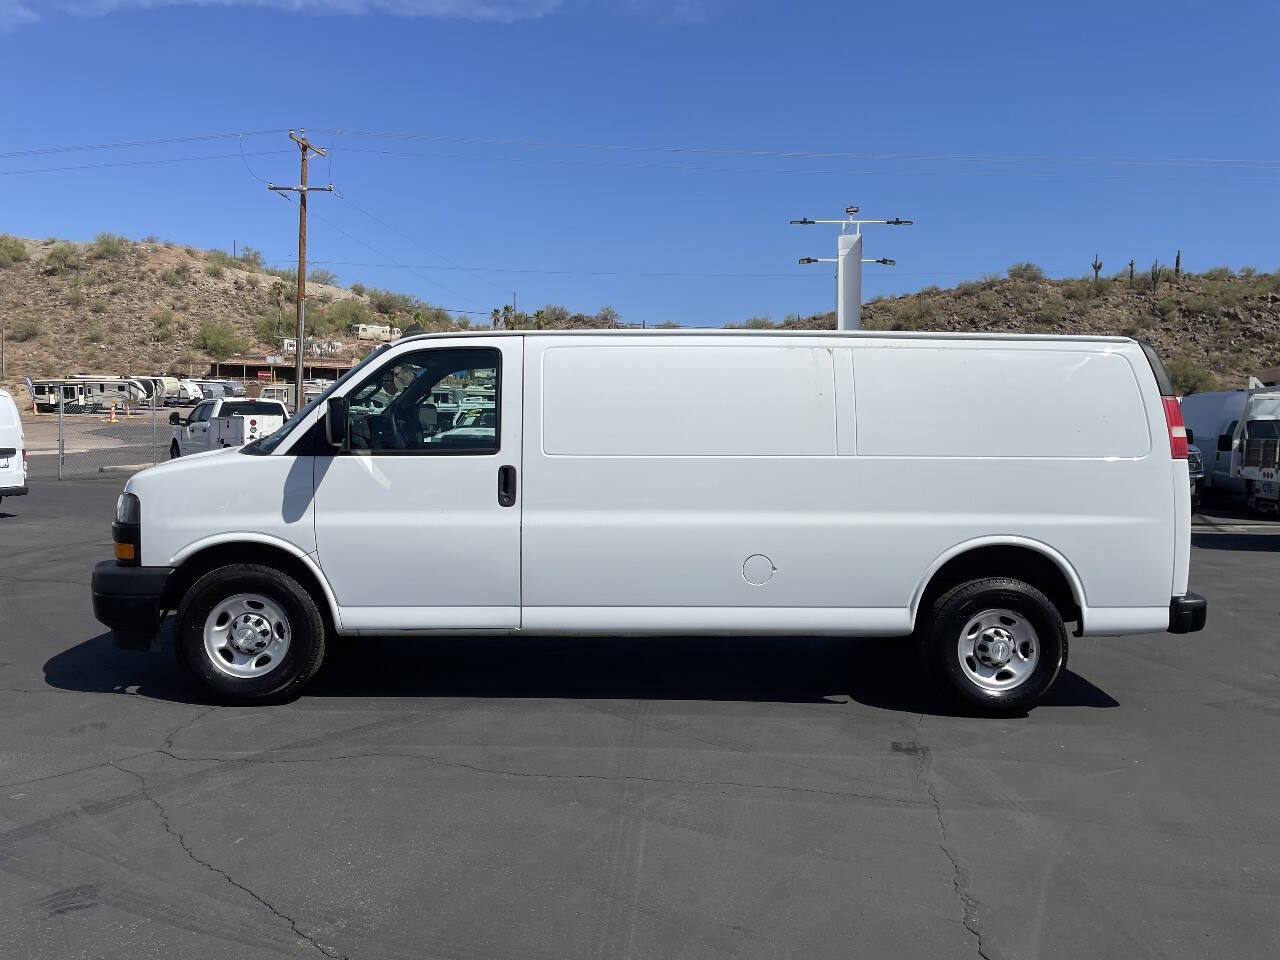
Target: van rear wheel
x,y
997,644
250,633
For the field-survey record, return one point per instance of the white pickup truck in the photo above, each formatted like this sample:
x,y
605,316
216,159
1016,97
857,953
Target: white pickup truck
x,y
231,422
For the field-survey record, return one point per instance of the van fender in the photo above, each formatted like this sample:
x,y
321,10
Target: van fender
x,y
1061,562
307,559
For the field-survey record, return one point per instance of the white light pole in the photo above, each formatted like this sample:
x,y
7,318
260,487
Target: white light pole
x,y
849,261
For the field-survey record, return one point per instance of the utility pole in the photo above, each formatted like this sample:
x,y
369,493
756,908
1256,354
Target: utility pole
x,y
849,261
306,148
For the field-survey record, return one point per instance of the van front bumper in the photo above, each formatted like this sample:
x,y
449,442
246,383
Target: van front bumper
x,y
1188,613
128,600
13,491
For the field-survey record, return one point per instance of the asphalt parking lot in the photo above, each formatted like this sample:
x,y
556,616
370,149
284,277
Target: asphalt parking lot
x,y
657,798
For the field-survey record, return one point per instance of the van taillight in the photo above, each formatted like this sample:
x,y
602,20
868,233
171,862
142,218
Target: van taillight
x,y
1177,429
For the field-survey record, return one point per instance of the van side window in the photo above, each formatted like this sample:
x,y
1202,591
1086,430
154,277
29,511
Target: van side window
x,y
443,400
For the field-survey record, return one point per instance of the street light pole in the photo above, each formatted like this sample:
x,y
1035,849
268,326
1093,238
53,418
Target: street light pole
x,y
849,261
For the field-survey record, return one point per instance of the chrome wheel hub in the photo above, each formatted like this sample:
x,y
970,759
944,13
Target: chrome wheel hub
x,y
998,649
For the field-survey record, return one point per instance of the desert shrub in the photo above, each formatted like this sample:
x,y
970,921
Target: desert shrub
x,y
321,275
1081,289
24,330
760,323
109,246
1025,271
12,250
75,299
1189,377
162,325
265,327
1167,307
250,259
389,302
115,289
1217,273
358,289
346,312
93,333
61,258
1248,272
1051,311
214,270
220,258
190,251
284,273
218,339
176,276
150,238
97,306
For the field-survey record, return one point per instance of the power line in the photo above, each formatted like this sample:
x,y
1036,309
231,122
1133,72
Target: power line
x,y
142,163
152,142
391,261
657,274
827,155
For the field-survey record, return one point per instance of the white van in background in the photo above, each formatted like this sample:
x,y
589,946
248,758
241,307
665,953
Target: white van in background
x,y
1213,419
13,449
966,496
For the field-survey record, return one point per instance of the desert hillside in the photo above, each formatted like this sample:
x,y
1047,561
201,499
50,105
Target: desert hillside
x,y
120,306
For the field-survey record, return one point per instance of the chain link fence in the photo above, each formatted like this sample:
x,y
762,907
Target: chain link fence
x,y
99,437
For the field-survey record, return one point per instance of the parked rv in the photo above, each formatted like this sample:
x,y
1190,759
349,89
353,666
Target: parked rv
x,y
373,331
214,424
846,505
13,449
84,393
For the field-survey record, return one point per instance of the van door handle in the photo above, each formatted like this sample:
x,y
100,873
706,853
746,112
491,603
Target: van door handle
x,y
507,486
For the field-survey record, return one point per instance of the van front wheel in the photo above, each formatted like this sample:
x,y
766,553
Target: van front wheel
x,y
996,644
250,633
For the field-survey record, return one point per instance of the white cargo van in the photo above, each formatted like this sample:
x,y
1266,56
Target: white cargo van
x,y
975,492
13,449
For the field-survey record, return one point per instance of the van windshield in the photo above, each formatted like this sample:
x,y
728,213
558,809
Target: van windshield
x,y
273,440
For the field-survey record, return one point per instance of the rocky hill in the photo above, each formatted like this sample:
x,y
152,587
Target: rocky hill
x,y
119,306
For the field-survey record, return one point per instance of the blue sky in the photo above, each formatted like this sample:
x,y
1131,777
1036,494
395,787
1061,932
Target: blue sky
x,y
933,108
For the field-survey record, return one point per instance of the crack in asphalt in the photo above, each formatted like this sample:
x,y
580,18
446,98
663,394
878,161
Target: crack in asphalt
x,y
182,842
535,775
959,876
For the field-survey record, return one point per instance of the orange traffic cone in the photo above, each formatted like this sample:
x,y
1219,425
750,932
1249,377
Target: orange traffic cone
x,y
111,417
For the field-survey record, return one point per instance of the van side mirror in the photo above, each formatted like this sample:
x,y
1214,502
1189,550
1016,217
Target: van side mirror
x,y
175,418
1191,436
335,422
1224,443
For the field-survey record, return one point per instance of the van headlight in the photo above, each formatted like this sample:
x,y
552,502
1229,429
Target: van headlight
x,y
128,509
126,532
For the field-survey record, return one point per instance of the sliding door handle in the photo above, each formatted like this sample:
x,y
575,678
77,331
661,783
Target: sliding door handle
x,y
506,486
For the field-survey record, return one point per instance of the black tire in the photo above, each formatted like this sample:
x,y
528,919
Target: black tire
x,y
306,628
942,626
174,452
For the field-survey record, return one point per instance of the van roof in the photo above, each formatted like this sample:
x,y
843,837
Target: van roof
x,y
773,334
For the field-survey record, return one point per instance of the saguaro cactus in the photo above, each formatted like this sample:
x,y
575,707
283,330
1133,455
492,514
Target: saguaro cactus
x,y
1177,264
1156,273
1131,273
1097,267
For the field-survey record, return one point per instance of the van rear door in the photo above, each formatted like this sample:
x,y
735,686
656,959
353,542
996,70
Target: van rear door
x,y
418,522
